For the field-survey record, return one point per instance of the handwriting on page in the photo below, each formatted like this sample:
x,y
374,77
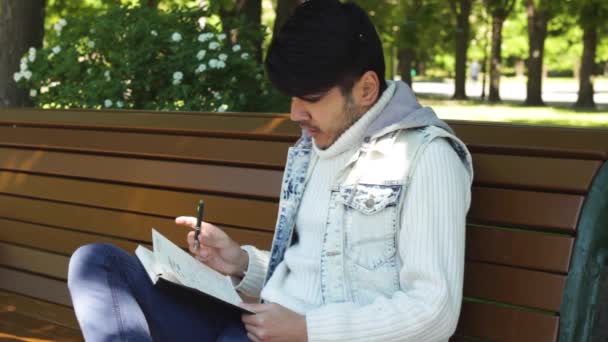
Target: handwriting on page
x,y
192,273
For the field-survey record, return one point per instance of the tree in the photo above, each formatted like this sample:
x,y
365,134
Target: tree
x,y
284,10
499,10
462,11
539,14
21,27
232,11
592,15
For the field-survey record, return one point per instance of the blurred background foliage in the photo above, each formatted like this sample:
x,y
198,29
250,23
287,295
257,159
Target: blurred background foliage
x,y
535,40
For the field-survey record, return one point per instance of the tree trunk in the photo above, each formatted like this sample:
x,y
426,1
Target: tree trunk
x,y
21,27
252,9
537,32
495,59
585,91
462,10
406,59
284,10
153,3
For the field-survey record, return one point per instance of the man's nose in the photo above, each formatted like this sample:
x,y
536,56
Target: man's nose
x,y
298,110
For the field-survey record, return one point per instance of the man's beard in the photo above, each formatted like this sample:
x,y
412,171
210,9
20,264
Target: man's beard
x,y
352,114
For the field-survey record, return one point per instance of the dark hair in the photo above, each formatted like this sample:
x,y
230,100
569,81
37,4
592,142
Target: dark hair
x,y
324,44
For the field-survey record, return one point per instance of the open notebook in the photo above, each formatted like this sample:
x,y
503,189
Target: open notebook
x,y
171,267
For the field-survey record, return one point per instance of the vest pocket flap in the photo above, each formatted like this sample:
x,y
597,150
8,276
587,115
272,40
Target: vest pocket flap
x,y
369,198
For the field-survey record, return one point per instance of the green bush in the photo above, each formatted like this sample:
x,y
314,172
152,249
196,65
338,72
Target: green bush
x,y
142,58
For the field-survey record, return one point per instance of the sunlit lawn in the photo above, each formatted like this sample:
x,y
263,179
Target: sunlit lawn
x,y
554,114
516,113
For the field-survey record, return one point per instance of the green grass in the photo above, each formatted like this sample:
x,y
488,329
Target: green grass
x,y
516,113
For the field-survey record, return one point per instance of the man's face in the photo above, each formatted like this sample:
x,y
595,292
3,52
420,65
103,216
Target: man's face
x,y
325,116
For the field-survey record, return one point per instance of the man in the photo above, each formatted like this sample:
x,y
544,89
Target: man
x,y
369,242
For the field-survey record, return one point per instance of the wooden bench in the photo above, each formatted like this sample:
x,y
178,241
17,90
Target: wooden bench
x,y
536,242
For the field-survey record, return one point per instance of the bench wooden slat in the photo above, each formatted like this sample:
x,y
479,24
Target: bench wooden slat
x,y
541,210
586,143
51,290
222,124
220,150
175,175
533,250
65,242
57,240
35,261
252,213
17,327
534,172
506,324
515,286
31,307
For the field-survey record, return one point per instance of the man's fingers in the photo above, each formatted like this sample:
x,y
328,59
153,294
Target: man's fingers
x,y
186,221
252,337
254,307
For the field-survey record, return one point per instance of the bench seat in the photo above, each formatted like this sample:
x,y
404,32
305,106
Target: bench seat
x,y
68,178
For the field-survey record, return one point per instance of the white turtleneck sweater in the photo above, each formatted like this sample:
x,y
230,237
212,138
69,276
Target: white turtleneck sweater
x,y
434,213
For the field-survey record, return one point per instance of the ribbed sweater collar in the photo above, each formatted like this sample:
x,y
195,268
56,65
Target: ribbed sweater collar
x,y
354,135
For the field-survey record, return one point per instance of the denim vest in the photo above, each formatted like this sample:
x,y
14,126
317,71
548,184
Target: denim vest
x,y
358,263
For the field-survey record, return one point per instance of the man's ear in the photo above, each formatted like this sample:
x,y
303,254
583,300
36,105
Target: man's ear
x,y
366,90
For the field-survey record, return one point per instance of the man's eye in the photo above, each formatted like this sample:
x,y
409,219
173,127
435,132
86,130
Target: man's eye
x,y
312,98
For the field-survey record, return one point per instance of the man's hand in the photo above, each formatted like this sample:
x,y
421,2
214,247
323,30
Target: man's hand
x,y
216,249
274,323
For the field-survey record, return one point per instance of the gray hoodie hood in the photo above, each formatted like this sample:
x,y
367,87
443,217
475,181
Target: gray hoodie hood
x,y
402,112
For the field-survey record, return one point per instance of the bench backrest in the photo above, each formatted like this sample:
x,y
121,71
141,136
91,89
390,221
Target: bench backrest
x,y
68,178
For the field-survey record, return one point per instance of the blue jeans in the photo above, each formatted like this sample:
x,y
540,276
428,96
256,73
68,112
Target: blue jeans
x,y
115,300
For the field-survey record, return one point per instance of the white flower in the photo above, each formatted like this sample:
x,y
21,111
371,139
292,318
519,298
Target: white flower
x,y
236,48
44,90
176,37
217,95
201,54
91,44
106,74
214,45
154,33
23,66
33,92
62,22
223,56
57,49
202,22
119,104
58,28
213,63
203,37
17,76
27,75
32,54
222,108
107,103
177,77
201,68
245,55
221,65
221,36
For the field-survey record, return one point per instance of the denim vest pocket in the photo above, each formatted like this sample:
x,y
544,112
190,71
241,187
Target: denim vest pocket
x,y
370,223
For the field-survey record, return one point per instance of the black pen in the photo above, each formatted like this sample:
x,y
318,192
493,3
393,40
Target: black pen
x,y
199,219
